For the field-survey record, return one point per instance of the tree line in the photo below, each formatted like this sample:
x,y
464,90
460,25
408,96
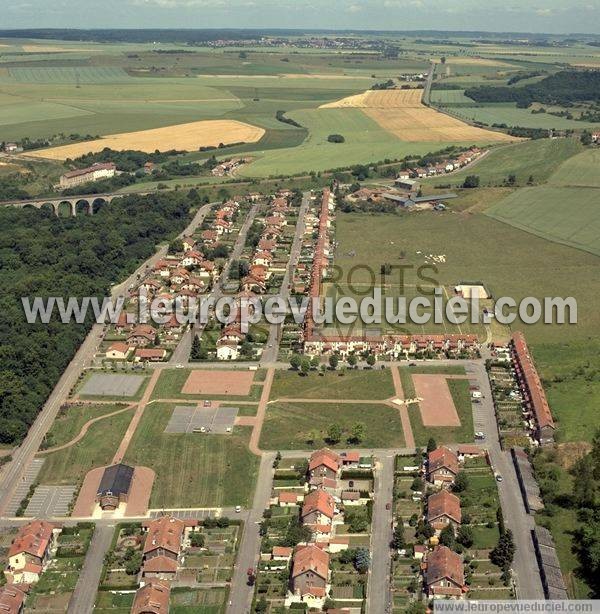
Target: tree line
x,y
44,255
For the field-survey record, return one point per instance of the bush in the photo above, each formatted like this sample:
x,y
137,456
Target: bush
x,y
336,138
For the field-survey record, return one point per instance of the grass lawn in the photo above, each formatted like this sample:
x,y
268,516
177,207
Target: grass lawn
x,y
537,158
198,601
193,469
96,448
290,426
115,603
514,264
355,384
69,422
171,382
459,389
484,537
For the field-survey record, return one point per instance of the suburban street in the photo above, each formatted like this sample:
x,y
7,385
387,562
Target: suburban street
x,y
181,354
378,589
271,351
240,596
84,596
516,518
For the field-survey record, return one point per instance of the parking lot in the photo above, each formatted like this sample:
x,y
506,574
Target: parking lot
x,y
211,419
50,501
112,385
22,488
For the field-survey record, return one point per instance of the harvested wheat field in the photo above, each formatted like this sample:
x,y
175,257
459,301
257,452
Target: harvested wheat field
x,y
183,137
402,113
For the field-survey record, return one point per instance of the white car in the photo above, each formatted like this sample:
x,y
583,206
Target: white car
x,y
479,435
238,509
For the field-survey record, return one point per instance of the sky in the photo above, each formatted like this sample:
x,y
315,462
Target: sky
x,y
551,16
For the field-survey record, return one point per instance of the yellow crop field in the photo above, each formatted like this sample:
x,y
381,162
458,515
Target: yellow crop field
x,y
402,113
474,61
183,137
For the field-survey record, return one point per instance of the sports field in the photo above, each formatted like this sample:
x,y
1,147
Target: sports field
x,y
182,137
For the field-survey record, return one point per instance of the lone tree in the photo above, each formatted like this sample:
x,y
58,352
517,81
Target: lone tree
x,y
334,361
305,366
431,444
197,352
352,360
295,361
362,560
447,537
357,433
398,539
461,483
334,433
371,360
503,554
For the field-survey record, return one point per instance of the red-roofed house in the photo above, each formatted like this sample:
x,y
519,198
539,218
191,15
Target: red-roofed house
x,y
443,508
281,553
285,499
444,577
324,463
29,551
152,598
141,335
442,466
310,574
318,508
118,351
149,354
11,599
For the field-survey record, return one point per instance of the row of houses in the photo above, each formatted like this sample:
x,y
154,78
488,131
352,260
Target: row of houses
x,y
181,276
394,346
321,259
534,398
445,166
227,167
95,172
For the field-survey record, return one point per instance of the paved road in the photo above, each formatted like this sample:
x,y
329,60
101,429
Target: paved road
x,y
525,567
23,456
84,595
271,351
378,588
240,596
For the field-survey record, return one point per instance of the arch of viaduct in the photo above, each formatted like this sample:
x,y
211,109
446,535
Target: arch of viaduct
x,y
77,204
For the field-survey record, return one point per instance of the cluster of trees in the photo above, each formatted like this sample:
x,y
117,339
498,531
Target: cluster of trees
x,y
564,87
280,117
10,188
383,85
42,255
127,160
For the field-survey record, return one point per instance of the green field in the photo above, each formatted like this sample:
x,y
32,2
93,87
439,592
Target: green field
x,y
507,113
537,159
581,170
291,426
514,263
83,74
353,384
69,466
450,97
561,214
193,470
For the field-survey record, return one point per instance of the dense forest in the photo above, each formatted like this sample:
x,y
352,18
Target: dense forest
x,y
563,88
44,255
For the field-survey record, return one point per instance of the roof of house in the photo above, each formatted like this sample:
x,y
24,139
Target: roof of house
x,y
539,402
149,352
118,346
11,598
351,495
442,457
318,501
152,598
282,551
143,330
442,563
288,497
443,503
32,538
350,457
116,480
160,564
166,533
310,558
469,449
326,457
98,166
